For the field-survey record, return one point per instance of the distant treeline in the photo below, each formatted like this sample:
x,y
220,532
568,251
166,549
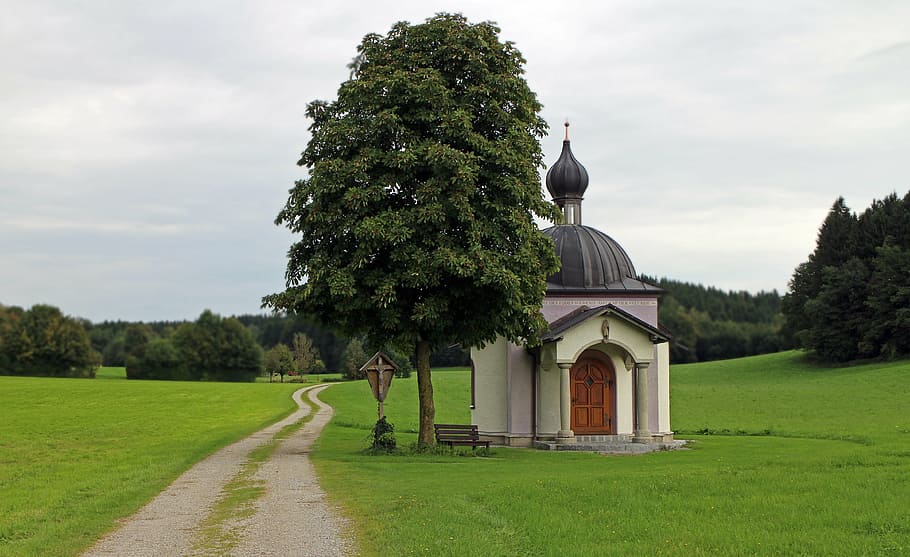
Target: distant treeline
x,y
42,341
109,338
706,324
710,324
851,299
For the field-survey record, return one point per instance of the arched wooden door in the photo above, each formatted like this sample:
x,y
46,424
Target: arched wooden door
x,y
593,397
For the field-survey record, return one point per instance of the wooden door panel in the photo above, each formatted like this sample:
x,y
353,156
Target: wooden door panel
x,y
597,396
581,417
581,395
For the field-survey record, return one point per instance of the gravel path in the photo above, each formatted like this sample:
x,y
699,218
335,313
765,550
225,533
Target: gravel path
x,y
291,519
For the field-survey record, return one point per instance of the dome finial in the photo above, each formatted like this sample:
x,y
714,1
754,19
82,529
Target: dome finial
x,y
567,181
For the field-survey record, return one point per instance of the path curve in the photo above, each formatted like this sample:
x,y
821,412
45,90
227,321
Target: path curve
x,y
292,519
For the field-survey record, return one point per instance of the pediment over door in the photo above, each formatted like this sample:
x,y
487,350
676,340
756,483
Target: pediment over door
x,y
586,327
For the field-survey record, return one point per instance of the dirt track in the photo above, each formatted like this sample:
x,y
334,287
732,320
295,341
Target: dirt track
x,y
291,519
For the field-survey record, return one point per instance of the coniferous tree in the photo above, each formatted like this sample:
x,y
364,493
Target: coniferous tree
x,y
836,244
850,299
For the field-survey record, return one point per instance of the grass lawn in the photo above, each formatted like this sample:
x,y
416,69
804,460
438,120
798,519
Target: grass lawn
x,y
110,373
791,460
77,454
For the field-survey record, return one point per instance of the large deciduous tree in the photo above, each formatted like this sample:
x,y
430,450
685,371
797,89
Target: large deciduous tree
x,y
416,220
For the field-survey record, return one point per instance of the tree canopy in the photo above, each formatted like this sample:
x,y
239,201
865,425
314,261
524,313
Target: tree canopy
x,y
416,220
850,299
710,324
212,348
42,341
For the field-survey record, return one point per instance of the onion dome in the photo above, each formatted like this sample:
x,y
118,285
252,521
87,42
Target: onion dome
x,y
567,181
591,261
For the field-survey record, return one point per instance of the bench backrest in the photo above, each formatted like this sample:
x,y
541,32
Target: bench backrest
x,y
456,431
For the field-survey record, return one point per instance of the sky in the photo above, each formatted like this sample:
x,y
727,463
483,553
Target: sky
x,y
146,147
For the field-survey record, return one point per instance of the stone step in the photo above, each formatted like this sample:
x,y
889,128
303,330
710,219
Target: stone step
x,y
602,439
614,447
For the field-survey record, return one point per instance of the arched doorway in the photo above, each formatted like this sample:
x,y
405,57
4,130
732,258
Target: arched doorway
x,y
593,383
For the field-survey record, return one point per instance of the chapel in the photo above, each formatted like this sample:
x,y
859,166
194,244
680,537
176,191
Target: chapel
x,y
602,373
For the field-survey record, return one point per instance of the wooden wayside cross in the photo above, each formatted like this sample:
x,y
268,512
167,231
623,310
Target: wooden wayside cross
x,y
379,371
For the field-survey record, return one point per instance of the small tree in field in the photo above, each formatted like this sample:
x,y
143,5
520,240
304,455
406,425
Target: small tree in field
x,y
352,359
305,353
416,222
278,359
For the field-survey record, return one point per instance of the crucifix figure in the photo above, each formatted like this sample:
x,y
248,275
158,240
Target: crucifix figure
x,y
379,370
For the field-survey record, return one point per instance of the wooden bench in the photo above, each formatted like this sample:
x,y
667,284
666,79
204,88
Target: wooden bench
x,y
461,435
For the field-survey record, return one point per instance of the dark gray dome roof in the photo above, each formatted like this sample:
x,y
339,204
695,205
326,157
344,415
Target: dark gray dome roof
x,y
591,262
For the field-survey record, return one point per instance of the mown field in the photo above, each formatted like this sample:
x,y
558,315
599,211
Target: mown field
x,y
786,459
77,454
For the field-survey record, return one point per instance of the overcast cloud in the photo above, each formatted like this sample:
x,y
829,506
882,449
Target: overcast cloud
x,y
146,148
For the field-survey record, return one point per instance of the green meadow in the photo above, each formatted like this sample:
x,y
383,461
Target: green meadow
x,y
785,459
77,454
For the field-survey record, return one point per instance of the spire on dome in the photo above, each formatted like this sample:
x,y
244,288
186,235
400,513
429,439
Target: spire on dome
x,y
567,181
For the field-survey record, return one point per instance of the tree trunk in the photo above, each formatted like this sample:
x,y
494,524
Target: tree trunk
x,y
425,438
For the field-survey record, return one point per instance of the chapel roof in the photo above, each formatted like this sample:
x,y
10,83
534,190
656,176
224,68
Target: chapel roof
x,y
591,261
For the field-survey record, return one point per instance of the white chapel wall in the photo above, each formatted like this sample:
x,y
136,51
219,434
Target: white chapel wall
x,y
548,393
491,387
521,391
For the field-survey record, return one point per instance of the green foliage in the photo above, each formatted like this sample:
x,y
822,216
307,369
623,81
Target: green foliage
x,y
451,355
353,359
212,348
136,337
218,349
278,359
416,219
114,351
305,354
160,360
849,300
405,369
814,463
710,324
382,437
78,456
889,301
43,342
280,328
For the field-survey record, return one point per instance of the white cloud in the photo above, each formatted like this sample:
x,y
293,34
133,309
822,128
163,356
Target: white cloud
x,y
146,148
